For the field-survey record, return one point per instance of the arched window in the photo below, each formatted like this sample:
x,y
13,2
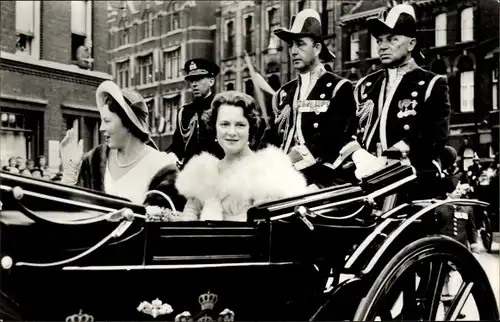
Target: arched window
x,y
467,24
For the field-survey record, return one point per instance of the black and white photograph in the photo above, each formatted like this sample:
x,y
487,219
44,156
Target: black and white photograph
x,y
251,160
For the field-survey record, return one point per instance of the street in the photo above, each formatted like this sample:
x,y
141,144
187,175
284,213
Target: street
x,y
491,265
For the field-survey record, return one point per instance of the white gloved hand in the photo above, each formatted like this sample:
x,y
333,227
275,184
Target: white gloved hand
x,y
366,163
71,149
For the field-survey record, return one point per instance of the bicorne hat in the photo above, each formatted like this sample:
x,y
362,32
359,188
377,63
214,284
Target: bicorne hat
x,y
306,23
200,68
399,20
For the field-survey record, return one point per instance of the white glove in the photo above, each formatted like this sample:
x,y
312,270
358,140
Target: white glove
x,y
366,163
71,157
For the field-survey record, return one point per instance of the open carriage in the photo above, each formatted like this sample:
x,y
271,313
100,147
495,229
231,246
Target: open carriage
x,y
341,253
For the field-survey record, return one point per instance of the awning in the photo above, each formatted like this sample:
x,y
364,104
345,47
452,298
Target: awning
x,y
171,48
172,95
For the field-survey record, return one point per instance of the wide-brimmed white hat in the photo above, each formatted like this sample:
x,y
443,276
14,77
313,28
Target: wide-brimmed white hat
x,y
126,99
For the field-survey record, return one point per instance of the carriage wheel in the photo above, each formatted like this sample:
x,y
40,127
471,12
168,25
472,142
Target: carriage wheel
x,y
414,280
9,309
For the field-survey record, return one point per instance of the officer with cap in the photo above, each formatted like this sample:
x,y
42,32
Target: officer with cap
x,y
401,106
192,136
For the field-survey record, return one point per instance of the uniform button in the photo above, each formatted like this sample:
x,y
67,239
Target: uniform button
x,y
364,96
414,94
329,84
406,127
315,125
455,233
282,131
322,96
421,83
369,84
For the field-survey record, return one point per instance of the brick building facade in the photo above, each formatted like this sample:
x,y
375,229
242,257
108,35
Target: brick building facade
x,y
458,39
149,42
43,91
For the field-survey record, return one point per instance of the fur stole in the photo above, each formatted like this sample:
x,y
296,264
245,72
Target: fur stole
x,y
266,175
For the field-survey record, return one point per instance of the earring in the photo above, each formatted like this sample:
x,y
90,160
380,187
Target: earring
x,y
215,140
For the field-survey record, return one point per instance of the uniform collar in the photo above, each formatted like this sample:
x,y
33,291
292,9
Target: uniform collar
x,y
404,68
316,73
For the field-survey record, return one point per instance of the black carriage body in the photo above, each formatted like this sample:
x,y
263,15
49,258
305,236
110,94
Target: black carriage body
x,y
272,267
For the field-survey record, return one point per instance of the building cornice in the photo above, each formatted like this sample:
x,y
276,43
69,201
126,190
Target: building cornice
x,y
376,11
49,69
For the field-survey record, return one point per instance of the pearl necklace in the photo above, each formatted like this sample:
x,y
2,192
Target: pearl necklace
x,y
131,162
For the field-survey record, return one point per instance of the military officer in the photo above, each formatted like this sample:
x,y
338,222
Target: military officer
x,y
192,136
314,113
401,106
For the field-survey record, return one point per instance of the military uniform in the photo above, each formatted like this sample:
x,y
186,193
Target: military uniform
x,y
191,136
323,122
314,113
415,110
457,222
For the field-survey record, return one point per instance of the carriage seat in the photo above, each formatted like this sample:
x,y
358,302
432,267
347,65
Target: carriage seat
x,y
384,182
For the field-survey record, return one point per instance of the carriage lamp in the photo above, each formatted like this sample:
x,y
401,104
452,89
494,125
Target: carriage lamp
x,y
6,262
18,193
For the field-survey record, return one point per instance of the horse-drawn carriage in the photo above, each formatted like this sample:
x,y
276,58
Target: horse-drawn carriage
x,y
341,253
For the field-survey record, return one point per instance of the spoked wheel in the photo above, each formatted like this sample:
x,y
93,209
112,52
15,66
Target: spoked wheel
x,y
413,281
9,309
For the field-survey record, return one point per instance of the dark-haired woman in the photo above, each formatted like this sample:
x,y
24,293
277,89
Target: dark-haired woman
x,y
128,163
225,189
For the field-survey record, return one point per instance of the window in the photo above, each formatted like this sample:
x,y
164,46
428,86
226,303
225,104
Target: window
x,y
494,89
273,23
229,80
125,36
171,60
145,69
122,74
166,23
354,46
20,135
249,87
373,47
152,24
146,27
331,17
249,34
467,24
28,28
176,21
440,27
152,116
81,33
230,37
467,91
169,113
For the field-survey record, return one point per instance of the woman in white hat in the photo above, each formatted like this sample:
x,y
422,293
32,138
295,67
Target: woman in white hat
x,y
128,163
